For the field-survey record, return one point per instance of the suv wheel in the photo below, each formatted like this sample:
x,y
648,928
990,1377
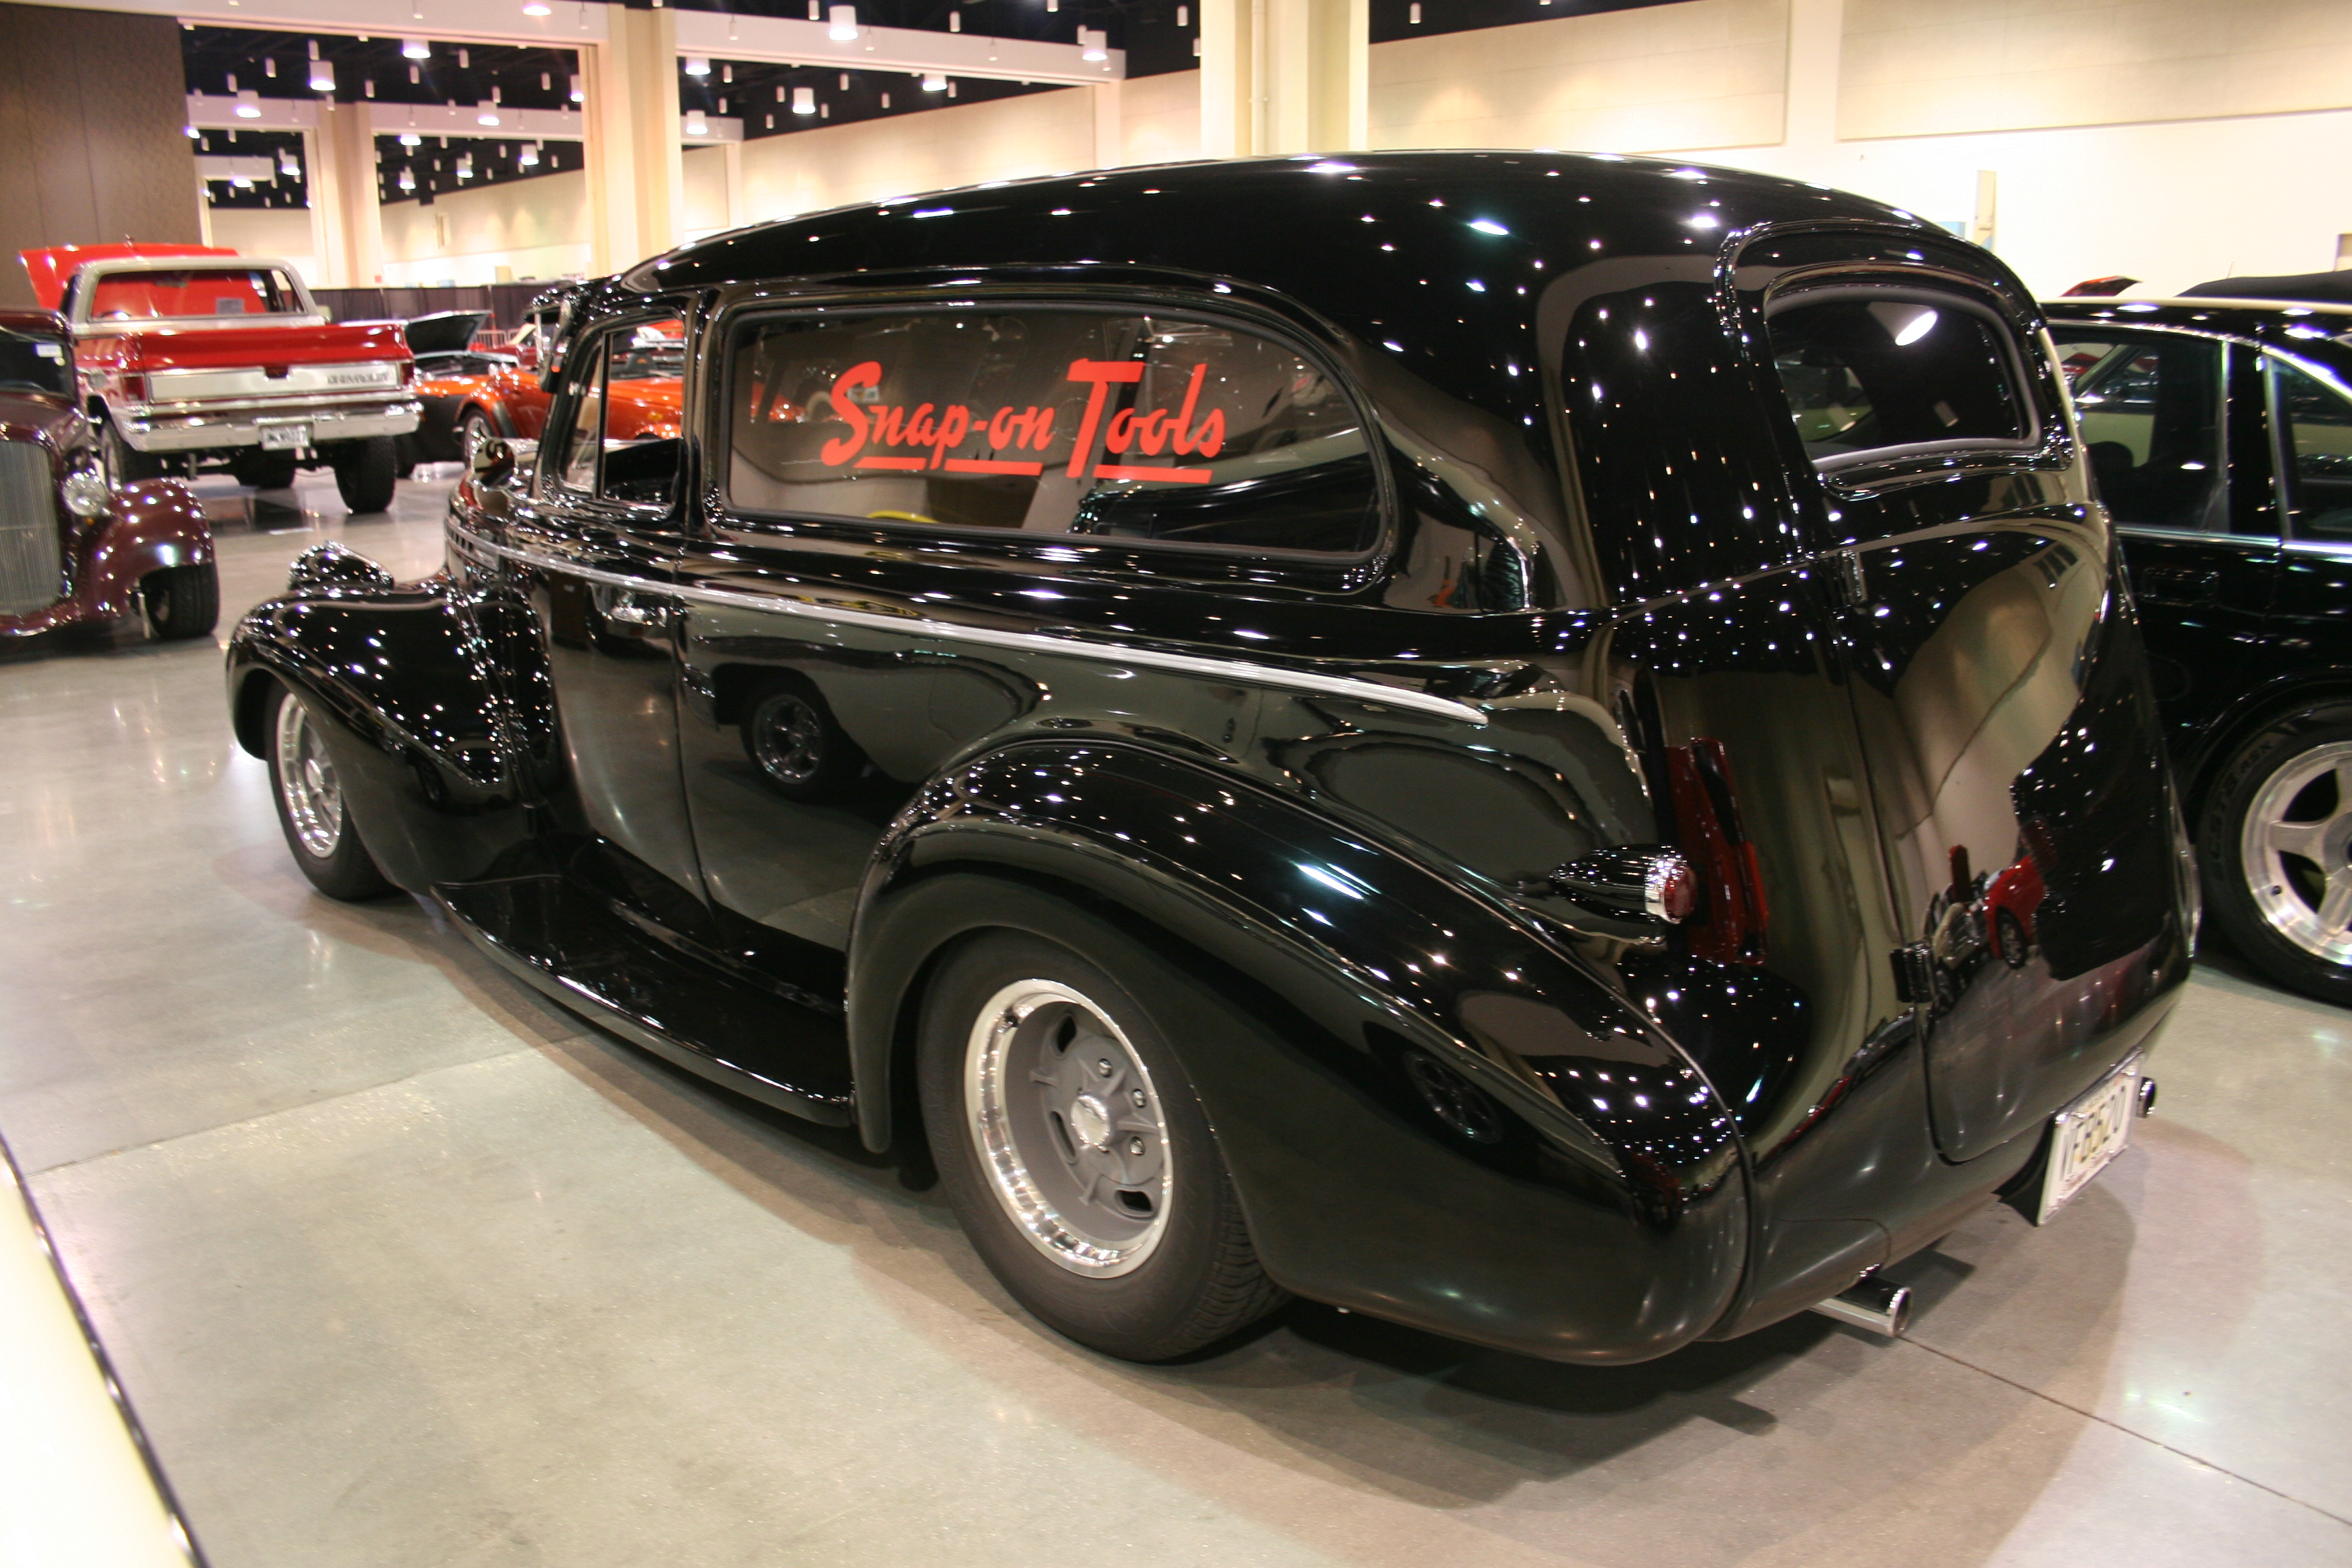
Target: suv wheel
x,y
126,462
366,472
312,811
2275,851
1075,1155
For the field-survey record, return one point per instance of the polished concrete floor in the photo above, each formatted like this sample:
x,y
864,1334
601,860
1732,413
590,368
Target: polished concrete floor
x,y
404,1267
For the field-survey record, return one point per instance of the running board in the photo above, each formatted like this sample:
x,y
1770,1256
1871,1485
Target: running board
x,y
568,942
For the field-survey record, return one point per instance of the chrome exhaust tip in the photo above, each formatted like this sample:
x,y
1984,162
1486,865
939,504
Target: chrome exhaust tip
x,y
1873,1304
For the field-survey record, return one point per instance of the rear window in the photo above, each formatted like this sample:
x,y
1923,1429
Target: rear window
x,y
1874,374
1126,426
196,291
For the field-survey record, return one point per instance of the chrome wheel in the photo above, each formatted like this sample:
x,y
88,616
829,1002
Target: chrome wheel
x,y
2295,844
1068,1128
788,738
472,434
306,781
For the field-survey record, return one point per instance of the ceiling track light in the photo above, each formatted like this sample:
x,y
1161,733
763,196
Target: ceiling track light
x,y
695,125
955,21
1094,44
248,104
407,180
696,65
579,93
844,24
803,101
417,49
322,76
934,82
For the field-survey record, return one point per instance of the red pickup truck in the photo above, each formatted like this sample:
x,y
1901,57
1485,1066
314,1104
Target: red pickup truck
x,y
190,356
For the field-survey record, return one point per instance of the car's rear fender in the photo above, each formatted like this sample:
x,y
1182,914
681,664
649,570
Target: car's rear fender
x,y
1314,985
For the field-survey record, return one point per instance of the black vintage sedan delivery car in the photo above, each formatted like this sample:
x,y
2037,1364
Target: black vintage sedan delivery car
x,y
1551,748
2221,433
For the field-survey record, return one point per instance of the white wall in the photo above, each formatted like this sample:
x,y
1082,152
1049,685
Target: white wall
x,y
539,228
1004,139
1705,73
282,232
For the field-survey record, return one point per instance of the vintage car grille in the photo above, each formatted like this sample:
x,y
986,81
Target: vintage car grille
x,y
31,553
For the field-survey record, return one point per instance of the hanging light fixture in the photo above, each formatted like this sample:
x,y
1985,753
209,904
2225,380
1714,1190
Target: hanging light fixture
x,y
955,21
288,165
411,138
1093,43
934,82
407,180
465,166
536,8
269,66
248,105
696,65
803,101
695,125
488,115
417,49
726,71
529,157
844,18
579,93
322,76
194,134
844,81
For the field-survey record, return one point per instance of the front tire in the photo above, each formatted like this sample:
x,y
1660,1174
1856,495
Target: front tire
x,y
181,602
2275,852
802,751
367,472
1076,1156
312,809
126,462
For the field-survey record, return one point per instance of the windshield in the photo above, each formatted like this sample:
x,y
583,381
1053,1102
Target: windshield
x,y
197,292
35,364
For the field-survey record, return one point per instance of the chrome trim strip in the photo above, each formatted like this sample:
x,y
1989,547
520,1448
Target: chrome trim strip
x,y
2256,541
2321,547
1025,642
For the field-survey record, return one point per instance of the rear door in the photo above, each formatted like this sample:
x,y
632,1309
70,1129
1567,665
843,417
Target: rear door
x,y
1996,686
2172,427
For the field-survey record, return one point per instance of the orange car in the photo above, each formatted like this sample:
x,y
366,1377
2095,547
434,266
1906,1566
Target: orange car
x,y
470,395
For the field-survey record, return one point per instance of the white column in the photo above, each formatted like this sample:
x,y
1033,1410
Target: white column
x,y
1816,44
636,179
1110,150
346,219
1283,76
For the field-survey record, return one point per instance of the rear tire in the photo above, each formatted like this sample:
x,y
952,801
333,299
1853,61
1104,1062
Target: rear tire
x,y
181,602
367,472
265,470
1075,1154
2275,852
312,809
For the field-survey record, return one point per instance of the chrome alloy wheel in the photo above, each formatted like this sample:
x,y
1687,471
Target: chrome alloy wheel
x,y
1068,1127
305,781
2295,844
788,738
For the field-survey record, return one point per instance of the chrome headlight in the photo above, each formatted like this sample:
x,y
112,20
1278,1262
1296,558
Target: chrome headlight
x,y
85,489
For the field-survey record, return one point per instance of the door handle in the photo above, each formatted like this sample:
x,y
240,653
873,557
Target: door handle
x,y
629,610
2177,585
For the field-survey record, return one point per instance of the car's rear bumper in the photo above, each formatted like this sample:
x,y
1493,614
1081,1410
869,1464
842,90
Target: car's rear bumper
x,y
158,431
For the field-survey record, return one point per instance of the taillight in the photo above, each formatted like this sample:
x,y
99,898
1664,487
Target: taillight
x,y
1723,861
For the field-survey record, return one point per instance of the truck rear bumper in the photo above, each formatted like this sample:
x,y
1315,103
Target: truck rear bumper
x,y
205,433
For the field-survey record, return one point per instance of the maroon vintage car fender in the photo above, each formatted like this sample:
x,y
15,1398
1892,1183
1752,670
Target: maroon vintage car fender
x,y
154,524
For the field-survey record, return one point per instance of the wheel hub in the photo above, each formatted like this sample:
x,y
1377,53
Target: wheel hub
x,y
2296,846
1068,1127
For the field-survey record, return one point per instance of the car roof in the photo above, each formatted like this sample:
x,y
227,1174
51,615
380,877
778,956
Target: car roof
x,y
1466,266
2280,323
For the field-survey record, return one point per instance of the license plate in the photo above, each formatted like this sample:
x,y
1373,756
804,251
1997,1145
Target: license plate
x,y
284,437
2087,1134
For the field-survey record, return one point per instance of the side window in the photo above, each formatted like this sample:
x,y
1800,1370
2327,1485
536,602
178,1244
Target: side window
x,y
2150,407
630,390
2315,427
585,442
1881,373
1048,422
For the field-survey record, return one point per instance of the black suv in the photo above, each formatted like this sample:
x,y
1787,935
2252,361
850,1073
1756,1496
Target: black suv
x,y
1551,748
2220,432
